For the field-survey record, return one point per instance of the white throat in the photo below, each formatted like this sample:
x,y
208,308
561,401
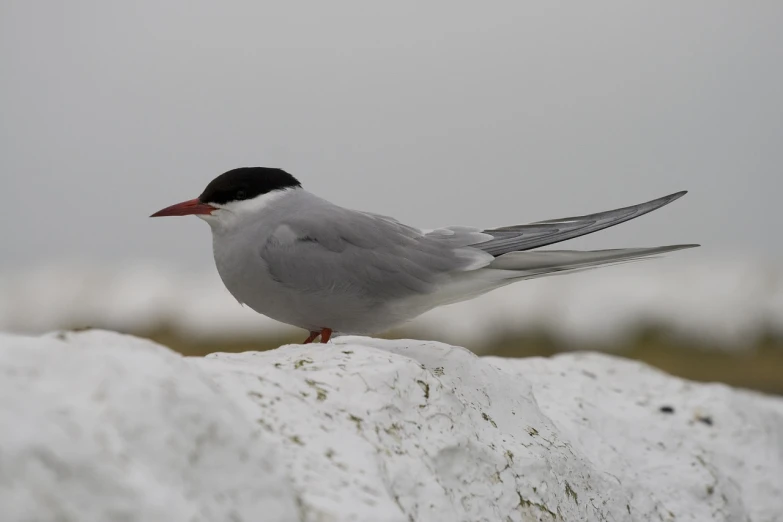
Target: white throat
x,y
231,214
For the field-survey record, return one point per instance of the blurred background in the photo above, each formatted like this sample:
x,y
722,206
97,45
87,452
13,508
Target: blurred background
x,y
437,113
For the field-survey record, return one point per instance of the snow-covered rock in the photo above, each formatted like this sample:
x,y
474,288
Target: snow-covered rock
x,y
99,426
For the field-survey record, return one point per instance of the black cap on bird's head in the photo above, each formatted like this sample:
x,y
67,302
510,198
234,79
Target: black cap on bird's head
x,y
246,183
235,185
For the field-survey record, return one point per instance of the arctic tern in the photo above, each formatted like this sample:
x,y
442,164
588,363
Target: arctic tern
x,y
299,259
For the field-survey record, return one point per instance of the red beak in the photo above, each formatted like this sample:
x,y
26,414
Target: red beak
x,y
186,208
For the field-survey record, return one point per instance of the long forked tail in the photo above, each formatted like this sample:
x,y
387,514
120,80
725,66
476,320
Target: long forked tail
x,y
542,233
539,263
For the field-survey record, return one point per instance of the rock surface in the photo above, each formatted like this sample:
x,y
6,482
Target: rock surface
x,y
99,426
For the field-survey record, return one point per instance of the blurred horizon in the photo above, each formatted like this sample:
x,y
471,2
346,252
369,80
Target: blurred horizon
x,y
691,315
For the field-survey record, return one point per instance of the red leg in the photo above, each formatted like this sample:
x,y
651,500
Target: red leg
x,y
312,337
326,334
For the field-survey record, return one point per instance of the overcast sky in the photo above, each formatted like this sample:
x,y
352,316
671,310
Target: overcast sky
x,y
476,113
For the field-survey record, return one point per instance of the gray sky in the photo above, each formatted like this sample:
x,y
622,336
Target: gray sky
x,y
435,113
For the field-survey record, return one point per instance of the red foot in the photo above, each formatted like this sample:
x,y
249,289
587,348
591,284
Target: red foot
x,y
325,333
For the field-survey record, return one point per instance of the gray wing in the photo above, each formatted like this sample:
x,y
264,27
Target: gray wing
x,y
525,237
329,249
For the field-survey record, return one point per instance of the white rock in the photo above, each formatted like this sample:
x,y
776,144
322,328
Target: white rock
x,y
104,427
98,426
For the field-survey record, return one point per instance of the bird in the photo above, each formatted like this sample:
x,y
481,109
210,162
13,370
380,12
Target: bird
x,y
299,259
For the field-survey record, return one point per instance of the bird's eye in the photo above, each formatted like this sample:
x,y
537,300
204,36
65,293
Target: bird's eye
x,y
241,194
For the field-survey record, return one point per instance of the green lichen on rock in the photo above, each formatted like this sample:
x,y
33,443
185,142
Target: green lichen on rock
x,y
570,492
301,362
321,392
488,419
357,420
525,503
426,387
